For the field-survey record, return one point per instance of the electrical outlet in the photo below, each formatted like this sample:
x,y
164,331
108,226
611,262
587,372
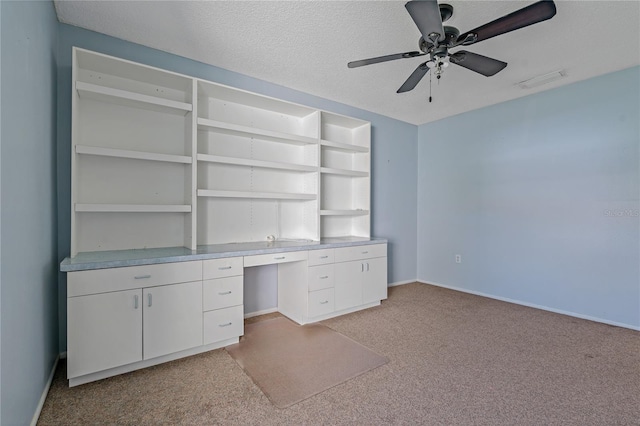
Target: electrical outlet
x,y
458,258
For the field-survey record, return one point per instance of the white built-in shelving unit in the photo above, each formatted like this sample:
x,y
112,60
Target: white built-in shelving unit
x,y
161,159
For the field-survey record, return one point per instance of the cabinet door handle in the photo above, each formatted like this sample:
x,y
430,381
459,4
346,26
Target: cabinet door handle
x,y
362,267
324,257
222,268
367,266
225,325
324,303
223,293
279,258
141,277
365,252
150,299
324,277
135,302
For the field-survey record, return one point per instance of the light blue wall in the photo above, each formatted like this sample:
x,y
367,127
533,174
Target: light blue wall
x,y
393,163
540,197
29,327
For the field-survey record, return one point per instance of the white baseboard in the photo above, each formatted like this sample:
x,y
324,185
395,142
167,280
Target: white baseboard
x,y
533,305
263,312
402,283
45,392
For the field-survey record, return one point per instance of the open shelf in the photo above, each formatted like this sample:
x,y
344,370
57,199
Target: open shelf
x,y
343,172
133,208
256,163
239,130
131,99
255,195
339,146
138,155
344,212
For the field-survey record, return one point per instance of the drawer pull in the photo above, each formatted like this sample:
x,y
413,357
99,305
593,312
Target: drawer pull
x,y
141,277
225,325
135,302
223,293
279,258
222,268
324,257
365,252
324,303
324,277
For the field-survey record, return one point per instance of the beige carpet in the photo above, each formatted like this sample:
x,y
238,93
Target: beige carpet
x,y
291,363
454,359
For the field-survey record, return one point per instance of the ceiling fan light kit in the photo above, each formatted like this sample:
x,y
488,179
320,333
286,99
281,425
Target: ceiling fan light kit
x,y
437,39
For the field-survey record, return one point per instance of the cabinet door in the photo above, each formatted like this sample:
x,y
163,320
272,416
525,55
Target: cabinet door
x,y
374,284
104,331
172,318
348,284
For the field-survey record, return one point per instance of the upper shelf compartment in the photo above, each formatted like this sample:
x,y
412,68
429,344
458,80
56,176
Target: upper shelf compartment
x,y
344,133
257,115
128,84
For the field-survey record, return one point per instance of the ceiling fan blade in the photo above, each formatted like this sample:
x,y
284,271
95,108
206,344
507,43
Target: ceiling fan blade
x,y
478,63
361,62
532,14
426,15
414,78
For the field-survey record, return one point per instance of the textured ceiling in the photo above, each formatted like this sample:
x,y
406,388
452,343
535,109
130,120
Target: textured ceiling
x,y
305,45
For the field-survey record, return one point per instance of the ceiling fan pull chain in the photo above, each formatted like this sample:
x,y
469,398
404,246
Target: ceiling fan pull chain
x,y
430,75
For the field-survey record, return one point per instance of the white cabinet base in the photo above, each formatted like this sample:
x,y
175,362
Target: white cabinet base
x,y
148,363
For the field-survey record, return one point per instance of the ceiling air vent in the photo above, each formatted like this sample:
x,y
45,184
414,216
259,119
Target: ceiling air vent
x,y
542,79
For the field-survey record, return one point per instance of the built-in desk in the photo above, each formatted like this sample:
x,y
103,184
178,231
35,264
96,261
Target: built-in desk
x,y
131,309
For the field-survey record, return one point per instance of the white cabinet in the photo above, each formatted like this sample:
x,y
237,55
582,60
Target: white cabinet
x,y
172,319
362,281
103,331
161,159
222,304
123,317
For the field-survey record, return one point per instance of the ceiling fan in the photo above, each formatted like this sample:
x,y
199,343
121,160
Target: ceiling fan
x,y
437,39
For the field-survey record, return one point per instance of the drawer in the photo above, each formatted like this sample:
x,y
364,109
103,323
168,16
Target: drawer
x,y
347,254
218,268
321,302
320,257
320,277
221,293
268,259
223,324
81,283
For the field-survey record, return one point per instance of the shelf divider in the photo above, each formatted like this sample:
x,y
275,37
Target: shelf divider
x,y
344,212
255,163
256,195
343,172
236,129
133,208
343,146
138,155
126,98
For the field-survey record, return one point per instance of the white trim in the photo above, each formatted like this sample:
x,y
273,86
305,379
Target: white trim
x,y
45,392
262,312
533,305
397,283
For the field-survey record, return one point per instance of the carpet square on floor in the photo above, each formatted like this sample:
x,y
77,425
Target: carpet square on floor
x,y
291,363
